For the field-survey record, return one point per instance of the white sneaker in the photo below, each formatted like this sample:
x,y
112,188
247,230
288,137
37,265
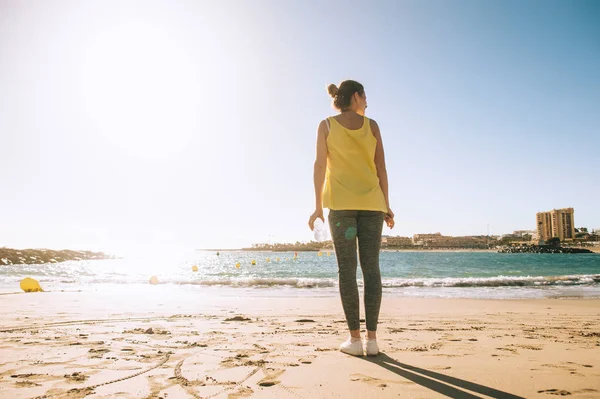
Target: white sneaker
x,y
352,348
372,347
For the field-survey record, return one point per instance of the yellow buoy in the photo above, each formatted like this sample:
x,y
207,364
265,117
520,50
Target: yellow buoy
x,y
153,280
268,260
253,262
30,285
238,265
319,253
287,259
277,259
194,268
328,253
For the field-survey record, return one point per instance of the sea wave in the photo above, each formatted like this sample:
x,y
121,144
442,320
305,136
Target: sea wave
x,y
265,282
466,282
497,281
329,282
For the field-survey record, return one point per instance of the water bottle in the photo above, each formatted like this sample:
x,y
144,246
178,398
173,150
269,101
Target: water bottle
x,y
320,231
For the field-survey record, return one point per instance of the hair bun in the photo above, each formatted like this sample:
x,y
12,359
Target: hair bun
x,y
333,90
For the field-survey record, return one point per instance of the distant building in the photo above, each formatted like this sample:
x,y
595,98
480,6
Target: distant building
x,y
534,236
544,225
399,242
521,233
556,223
425,239
437,240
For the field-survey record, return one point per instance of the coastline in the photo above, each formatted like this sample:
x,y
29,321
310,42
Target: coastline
x,y
382,250
439,250
593,249
139,344
11,256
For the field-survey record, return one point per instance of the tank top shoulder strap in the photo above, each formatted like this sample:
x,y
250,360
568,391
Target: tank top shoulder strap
x,y
367,125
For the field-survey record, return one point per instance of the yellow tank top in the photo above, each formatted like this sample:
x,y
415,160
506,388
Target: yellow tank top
x,y
351,181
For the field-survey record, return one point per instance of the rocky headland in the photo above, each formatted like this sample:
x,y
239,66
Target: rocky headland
x,y
542,249
9,256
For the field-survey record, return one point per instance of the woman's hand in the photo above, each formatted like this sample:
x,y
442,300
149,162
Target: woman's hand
x,y
389,219
318,213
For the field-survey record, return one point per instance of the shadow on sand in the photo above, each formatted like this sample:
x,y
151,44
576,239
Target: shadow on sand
x,y
441,383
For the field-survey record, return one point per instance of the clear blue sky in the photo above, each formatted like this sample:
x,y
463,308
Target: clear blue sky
x,y
127,124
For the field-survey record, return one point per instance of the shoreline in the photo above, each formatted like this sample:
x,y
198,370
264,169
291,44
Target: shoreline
x,y
382,250
438,250
491,250
32,256
287,293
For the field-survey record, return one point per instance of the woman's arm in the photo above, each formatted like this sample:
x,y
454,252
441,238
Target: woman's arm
x,y
380,162
382,172
320,164
319,173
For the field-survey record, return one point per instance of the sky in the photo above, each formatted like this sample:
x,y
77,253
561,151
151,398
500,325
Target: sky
x,y
192,124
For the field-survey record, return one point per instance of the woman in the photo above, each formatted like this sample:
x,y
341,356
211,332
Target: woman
x,y
351,180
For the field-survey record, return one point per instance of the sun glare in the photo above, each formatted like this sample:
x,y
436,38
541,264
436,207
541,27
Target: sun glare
x,y
139,89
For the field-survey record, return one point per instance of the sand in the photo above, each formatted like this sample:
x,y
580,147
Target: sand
x,y
158,344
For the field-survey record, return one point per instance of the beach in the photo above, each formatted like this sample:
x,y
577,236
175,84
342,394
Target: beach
x,y
159,342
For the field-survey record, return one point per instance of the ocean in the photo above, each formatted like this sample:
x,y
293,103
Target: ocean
x,y
416,274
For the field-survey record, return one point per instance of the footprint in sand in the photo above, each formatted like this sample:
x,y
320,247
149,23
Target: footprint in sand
x,y
23,375
261,348
26,383
582,365
512,350
268,383
530,347
241,393
237,318
147,331
307,359
100,350
76,377
559,392
271,378
97,353
568,366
